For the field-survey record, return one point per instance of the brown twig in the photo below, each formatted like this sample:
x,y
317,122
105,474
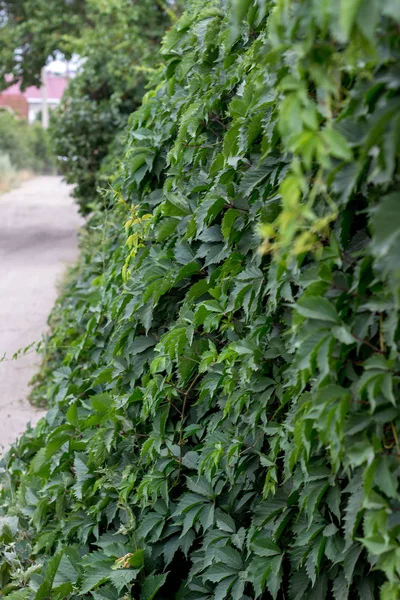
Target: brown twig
x,y
253,445
199,146
342,289
219,136
237,207
367,343
173,406
381,339
218,120
180,443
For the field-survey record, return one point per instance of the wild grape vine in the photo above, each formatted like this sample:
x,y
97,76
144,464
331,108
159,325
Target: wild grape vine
x,y
223,375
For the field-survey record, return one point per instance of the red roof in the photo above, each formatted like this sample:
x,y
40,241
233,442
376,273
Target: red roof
x,y
55,88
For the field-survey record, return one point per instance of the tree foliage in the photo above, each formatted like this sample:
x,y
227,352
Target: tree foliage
x,y
120,56
33,30
223,372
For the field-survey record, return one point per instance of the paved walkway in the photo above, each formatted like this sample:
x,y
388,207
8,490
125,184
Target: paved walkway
x,y
38,226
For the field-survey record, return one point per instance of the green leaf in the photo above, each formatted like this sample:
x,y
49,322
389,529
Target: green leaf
x,y
102,402
385,478
378,544
187,271
337,144
19,595
225,522
353,510
299,582
368,18
385,224
389,591
72,415
121,578
230,557
348,14
240,9
350,561
343,335
224,588
137,559
340,587
51,569
151,585
94,577
68,570
218,572
228,221
265,547
142,343
314,307
254,176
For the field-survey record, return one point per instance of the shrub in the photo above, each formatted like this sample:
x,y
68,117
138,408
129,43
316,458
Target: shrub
x,y
41,150
224,370
8,175
5,165
26,145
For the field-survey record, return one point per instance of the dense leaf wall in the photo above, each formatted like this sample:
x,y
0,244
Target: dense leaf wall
x,y
223,372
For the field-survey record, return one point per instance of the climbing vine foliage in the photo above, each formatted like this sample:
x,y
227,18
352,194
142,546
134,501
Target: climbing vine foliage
x,y
223,370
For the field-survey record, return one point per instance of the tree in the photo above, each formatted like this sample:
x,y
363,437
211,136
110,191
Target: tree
x,y
33,30
120,49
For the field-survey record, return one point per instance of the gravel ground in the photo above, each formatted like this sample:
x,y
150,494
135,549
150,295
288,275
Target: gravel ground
x,y
38,239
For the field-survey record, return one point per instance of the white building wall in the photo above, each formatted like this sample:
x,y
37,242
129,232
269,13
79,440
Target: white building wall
x,y
35,108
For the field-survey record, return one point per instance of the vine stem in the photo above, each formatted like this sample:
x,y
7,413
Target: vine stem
x,y
237,207
218,120
253,445
342,289
367,343
396,438
381,339
173,406
183,413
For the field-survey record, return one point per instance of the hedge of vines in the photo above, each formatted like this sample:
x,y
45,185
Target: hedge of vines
x,y
223,372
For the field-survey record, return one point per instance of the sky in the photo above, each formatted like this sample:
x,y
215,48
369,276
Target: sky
x,y
60,65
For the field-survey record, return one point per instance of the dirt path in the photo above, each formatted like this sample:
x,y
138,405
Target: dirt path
x,y
38,225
